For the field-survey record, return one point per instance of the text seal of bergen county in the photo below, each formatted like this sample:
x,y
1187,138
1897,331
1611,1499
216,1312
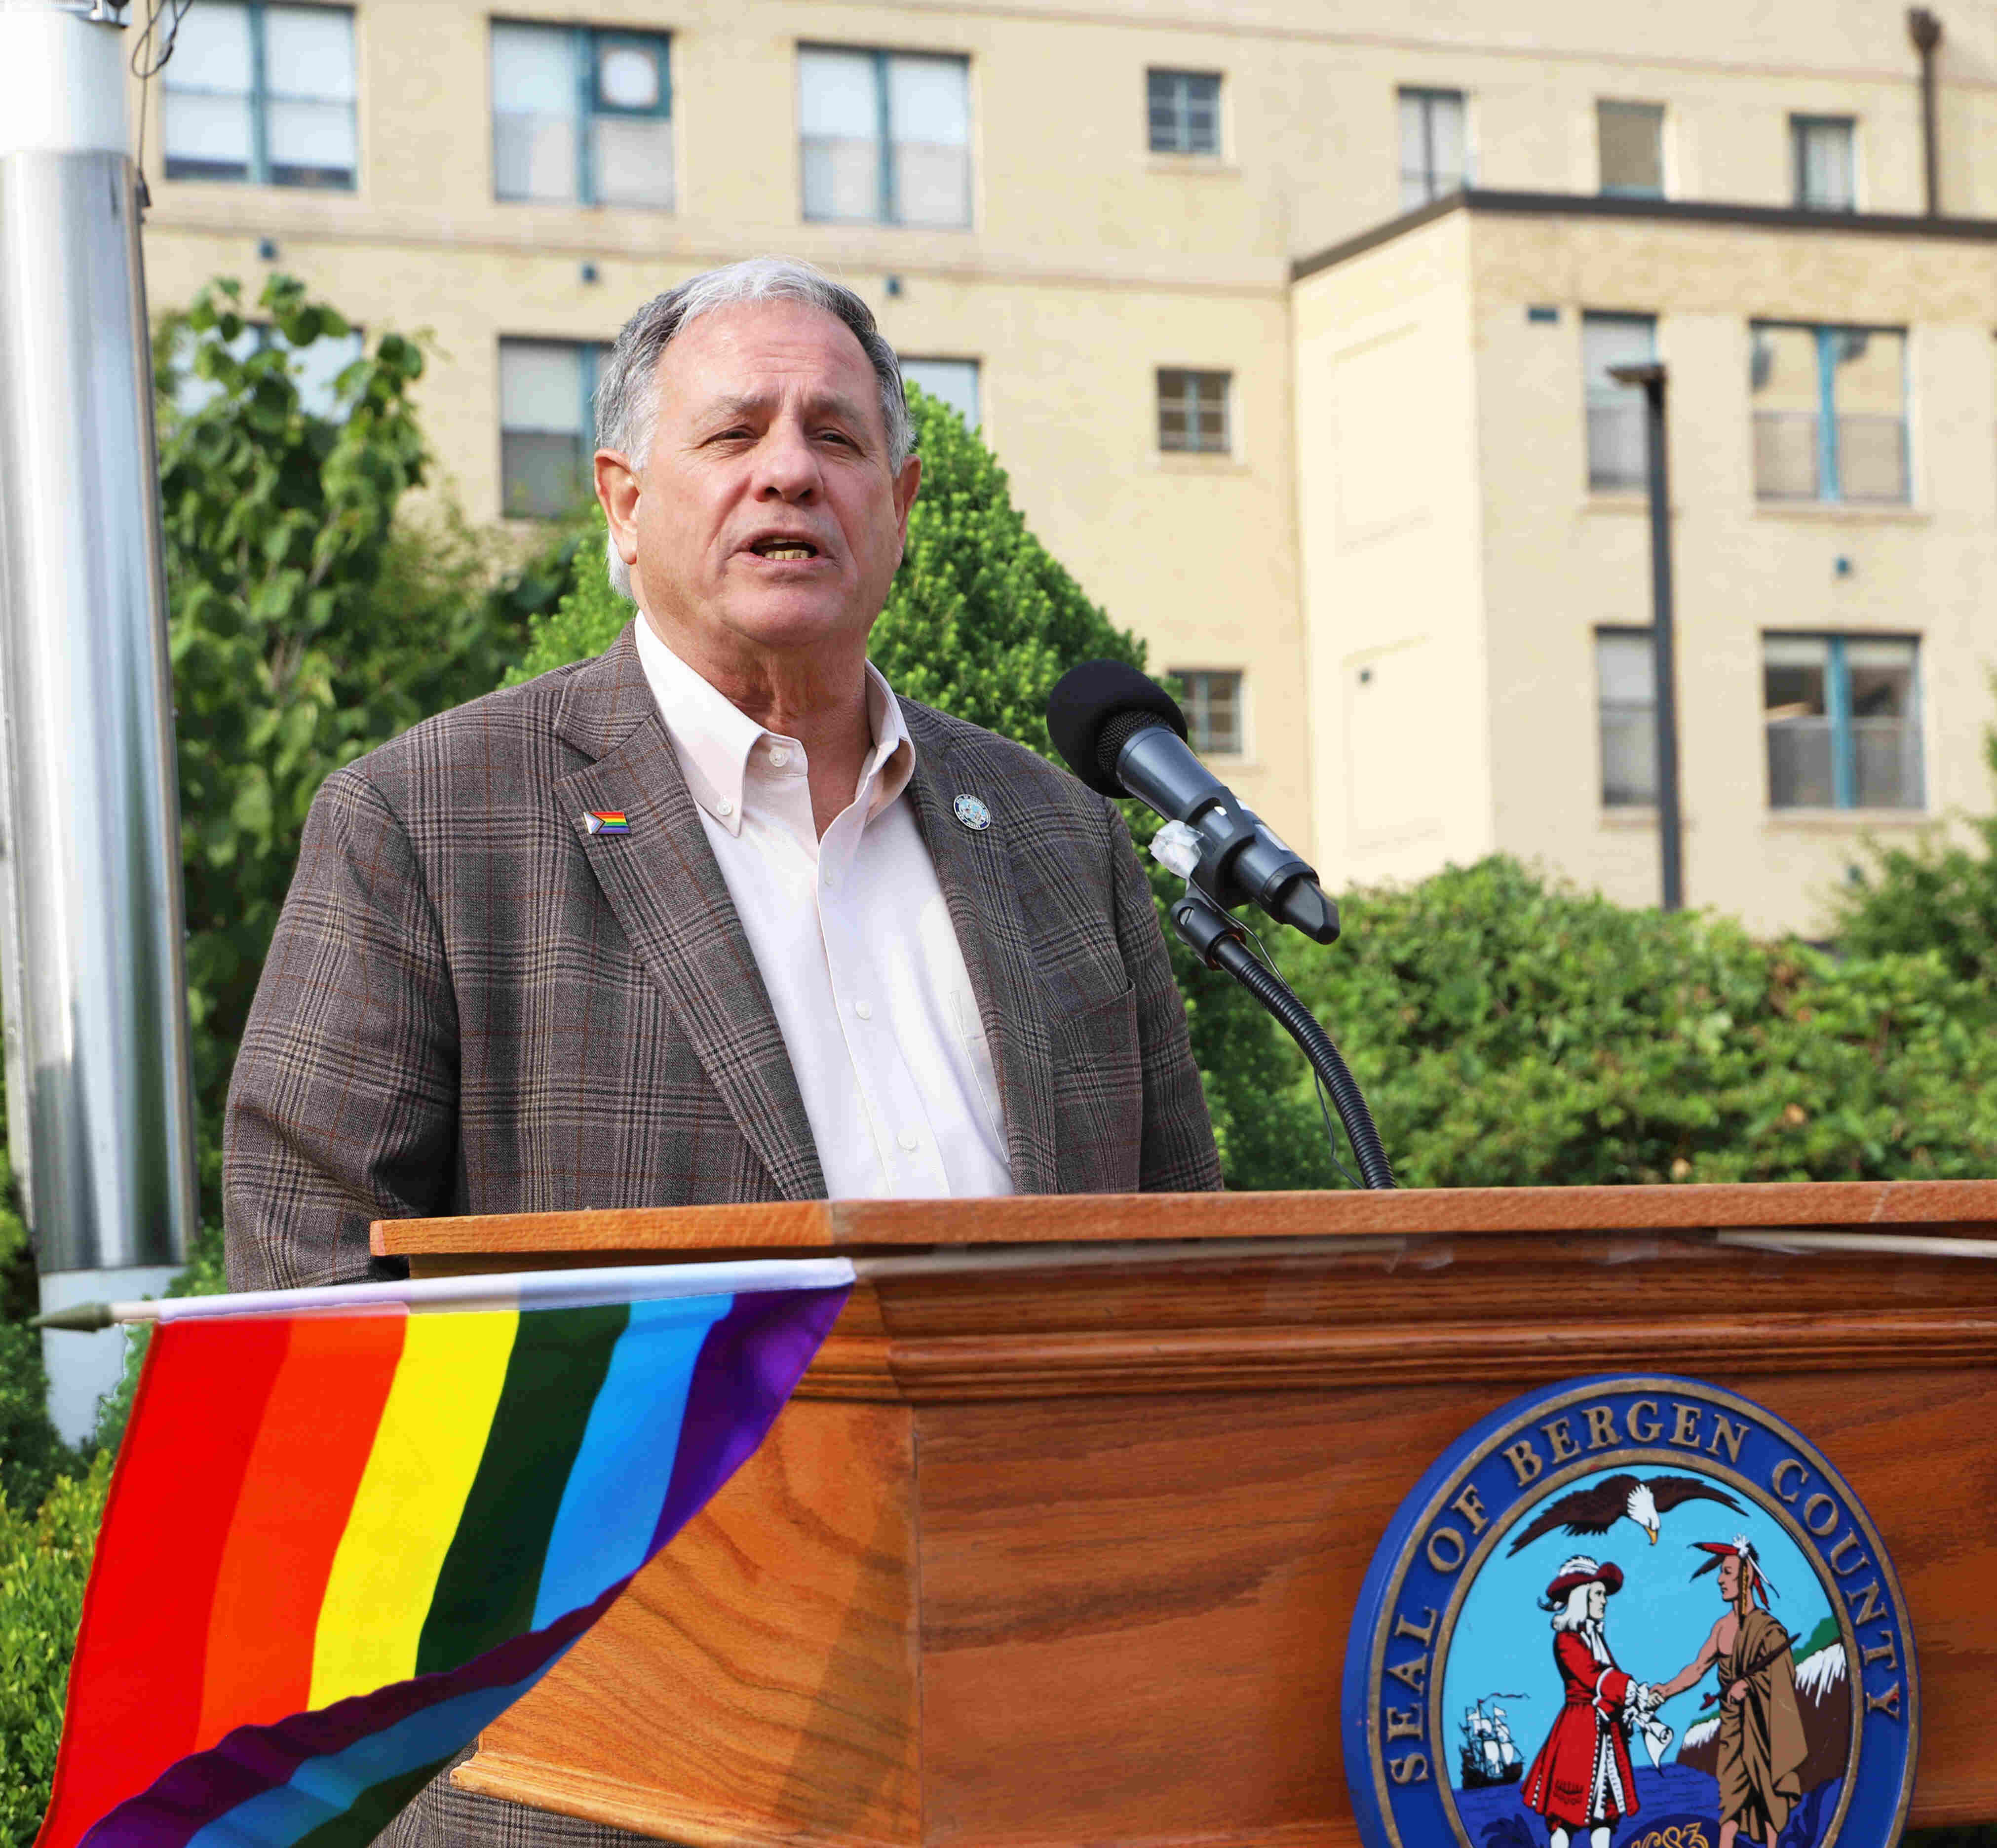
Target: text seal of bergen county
x,y
1620,1612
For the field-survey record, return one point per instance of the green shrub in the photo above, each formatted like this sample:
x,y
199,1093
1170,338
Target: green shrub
x,y
1510,1031
44,1562
1934,894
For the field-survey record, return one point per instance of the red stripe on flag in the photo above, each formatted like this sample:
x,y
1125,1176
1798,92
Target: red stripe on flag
x,y
135,1681
319,1427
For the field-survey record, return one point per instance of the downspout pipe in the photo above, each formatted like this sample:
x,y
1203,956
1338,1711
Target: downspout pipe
x,y
1925,29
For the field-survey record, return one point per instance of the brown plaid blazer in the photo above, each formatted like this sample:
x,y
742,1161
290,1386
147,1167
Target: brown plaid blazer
x,y
471,1005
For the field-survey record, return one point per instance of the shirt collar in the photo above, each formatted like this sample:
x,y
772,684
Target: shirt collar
x,y
715,739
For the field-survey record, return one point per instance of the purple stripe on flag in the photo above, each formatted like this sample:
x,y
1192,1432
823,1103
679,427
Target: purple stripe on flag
x,y
252,1760
753,1357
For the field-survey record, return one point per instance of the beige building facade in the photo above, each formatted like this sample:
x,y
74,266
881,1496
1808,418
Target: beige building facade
x,y
1282,415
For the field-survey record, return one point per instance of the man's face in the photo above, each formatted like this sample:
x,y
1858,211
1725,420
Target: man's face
x,y
1729,1578
764,517
1598,1601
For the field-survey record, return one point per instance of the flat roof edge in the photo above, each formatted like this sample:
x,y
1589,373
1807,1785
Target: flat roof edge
x,y
1677,211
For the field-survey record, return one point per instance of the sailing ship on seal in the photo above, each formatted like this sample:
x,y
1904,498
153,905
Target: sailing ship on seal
x,y
1489,1755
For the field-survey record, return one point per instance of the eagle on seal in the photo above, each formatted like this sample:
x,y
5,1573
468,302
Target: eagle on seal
x,y
1622,1498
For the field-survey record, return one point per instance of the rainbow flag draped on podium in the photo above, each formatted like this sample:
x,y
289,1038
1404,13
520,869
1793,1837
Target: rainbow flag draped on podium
x,y
348,1529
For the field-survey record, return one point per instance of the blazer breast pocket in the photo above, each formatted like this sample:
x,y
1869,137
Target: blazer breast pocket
x,y
1099,1096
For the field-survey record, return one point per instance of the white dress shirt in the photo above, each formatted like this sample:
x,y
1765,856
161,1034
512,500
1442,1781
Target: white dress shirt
x,y
854,941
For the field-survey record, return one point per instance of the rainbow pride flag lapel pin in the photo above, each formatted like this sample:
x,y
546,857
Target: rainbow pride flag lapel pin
x,y
607,821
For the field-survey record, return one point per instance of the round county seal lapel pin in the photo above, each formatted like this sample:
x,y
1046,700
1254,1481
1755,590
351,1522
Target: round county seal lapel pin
x,y
971,812
1625,1612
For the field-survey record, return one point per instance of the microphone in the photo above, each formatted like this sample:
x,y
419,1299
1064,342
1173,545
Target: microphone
x,y
1124,735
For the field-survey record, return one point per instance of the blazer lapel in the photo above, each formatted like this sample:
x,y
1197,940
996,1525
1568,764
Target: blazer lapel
x,y
665,886
974,869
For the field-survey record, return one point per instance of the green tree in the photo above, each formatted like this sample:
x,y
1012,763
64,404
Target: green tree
x,y
310,619
981,620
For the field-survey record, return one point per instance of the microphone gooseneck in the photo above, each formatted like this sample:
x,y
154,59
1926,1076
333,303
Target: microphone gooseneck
x,y
1124,735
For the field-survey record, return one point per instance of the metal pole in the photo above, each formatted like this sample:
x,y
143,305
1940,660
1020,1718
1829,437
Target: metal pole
x,y
99,1103
1669,826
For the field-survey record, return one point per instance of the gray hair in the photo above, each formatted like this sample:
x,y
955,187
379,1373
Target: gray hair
x,y
627,401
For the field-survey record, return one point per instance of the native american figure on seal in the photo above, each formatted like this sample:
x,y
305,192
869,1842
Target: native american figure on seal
x,y
1582,1782
1761,1748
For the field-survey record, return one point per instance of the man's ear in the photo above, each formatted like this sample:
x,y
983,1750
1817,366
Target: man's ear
x,y
618,490
908,484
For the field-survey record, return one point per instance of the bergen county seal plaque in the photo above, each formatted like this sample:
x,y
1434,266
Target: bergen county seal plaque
x,y
1630,1612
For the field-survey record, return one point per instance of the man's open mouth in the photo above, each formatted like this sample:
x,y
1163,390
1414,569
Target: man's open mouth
x,y
784,550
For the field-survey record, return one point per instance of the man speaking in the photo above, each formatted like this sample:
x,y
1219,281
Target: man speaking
x,y
714,917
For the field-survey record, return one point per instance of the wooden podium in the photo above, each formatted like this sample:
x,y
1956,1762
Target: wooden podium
x,y
1059,1541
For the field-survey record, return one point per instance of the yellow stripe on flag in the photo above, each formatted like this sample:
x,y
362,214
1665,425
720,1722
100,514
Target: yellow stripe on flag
x,y
413,1492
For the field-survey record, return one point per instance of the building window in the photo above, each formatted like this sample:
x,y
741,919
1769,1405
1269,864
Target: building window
x,y
1618,453
1843,714
1830,413
582,117
315,368
1826,163
1212,708
547,423
261,93
1435,151
1630,137
1192,412
886,137
1625,687
1184,107
954,382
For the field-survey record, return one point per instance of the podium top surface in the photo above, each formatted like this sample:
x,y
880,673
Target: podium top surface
x,y
1944,1206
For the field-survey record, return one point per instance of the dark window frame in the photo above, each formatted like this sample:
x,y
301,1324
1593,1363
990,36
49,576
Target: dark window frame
x,y
260,171
1644,711
592,354
1179,103
1839,720
1629,106
1800,126
1830,488
1193,398
587,44
1198,705
887,204
1428,95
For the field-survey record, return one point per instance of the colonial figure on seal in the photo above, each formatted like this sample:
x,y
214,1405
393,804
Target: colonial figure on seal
x,y
1761,1745
1582,1779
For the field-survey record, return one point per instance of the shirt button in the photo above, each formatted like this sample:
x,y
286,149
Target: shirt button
x,y
724,809
828,879
865,1009
909,1140
779,757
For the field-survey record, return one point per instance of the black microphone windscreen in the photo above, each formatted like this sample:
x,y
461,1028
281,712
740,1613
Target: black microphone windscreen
x,y
1086,699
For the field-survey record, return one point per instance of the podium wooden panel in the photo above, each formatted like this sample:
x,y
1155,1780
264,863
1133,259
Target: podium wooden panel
x,y
1060,1540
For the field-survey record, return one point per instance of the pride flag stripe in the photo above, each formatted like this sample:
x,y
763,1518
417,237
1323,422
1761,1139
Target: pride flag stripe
x,y
412,1495
485,1591
337,1544
612,1504
160,1675
310,1451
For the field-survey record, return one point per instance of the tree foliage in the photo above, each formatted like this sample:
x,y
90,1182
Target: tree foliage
x,y
981,621
1511,1032
308,623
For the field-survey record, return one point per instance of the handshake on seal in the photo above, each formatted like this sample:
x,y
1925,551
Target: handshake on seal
x,y
1639,1716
